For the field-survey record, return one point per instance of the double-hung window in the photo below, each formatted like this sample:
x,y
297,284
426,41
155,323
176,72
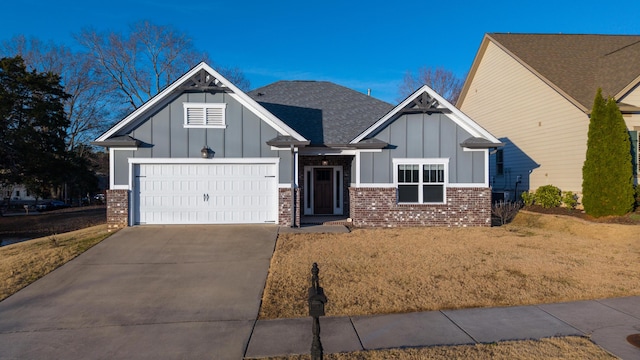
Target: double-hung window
x,y
421,181
205,115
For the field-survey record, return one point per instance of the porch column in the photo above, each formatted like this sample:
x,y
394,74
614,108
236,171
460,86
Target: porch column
x,y
294,184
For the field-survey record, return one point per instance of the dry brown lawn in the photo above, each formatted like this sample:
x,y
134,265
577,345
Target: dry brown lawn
x,y
535,259
553,348
25,262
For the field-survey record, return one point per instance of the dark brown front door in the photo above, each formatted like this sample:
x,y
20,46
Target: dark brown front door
x,y
323,191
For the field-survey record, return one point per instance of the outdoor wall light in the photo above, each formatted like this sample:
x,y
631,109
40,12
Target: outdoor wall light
x,y
204,152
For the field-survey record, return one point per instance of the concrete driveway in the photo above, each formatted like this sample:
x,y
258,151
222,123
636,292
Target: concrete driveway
x,y
147,292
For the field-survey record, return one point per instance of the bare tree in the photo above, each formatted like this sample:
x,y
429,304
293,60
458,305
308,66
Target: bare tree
x,y
443,81
139,64
86,107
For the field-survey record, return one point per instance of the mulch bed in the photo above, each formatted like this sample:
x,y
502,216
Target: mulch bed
x,y
628,219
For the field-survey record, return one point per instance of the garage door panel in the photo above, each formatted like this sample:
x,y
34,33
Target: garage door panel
x,y
205,193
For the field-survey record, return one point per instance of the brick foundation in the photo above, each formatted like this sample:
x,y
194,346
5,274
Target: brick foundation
x,y
117,209
284,207
378,207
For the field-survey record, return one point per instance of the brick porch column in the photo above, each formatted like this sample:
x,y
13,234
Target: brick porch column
x,y
284,207
117,209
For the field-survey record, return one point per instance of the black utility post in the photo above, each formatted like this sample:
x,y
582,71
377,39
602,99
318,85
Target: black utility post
x,y
317,299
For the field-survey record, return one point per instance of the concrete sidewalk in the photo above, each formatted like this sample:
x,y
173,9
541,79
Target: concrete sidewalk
x,y
607,322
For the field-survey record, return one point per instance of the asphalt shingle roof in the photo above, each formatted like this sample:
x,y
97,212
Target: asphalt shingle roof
x,y
322,112
578,64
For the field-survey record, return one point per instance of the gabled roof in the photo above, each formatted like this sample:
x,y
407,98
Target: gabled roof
x,y
323,112
201,77
574,65
426,100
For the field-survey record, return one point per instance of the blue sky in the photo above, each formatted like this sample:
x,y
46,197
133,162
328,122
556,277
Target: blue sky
x,y
359,44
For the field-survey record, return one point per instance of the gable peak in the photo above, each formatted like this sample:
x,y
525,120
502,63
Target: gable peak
x,y
425,103
202,80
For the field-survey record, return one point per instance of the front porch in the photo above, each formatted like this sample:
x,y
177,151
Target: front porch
x,y
324,187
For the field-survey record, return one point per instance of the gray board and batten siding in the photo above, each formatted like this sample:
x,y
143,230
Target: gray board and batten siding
x,y
423,136
163,135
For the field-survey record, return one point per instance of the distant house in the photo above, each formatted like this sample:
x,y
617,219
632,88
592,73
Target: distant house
x,y
16,193
535,93
204,152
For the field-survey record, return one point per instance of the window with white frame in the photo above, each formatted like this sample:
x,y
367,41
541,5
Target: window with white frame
x,y
205,115
421,181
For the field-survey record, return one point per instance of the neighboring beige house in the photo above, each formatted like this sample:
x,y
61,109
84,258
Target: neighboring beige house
x,y
535,92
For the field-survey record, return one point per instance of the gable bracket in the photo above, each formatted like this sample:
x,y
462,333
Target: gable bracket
x,y
203,81
424,104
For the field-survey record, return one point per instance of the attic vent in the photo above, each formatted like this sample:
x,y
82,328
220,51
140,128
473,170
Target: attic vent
x,y
204,115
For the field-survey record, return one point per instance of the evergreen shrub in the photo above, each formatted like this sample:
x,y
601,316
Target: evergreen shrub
x,y
607,173
548,196
528,198
569,199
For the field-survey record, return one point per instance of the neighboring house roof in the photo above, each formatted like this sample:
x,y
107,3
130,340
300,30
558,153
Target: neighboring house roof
x,y
322,112
575,65
426,100
202,76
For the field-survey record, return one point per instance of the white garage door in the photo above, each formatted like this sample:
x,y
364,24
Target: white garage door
x,y
218,193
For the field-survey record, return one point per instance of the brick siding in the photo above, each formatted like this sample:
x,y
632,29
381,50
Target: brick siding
x,y
378,207
117,209
284,207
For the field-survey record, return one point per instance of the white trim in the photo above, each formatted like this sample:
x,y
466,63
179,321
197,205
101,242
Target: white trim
x,y
204,161
373,185
420,160
469,185
236,94
456,116
275,148
296,167
112,168
421,163
487,176
389,185
132,196
308,184
357,160
336,152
